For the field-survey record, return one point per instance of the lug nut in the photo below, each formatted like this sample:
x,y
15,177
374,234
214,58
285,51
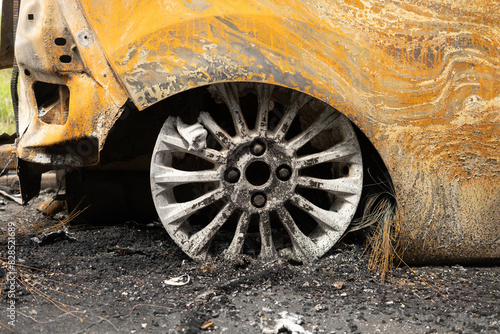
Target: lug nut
x,y
232,175
259,200
258,148
284,173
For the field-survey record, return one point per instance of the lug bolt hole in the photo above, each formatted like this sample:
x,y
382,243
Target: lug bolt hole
x,y
232,175
345,170
259,200
284,172
258,148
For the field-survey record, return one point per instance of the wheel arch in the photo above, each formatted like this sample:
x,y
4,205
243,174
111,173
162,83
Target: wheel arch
x,y
230,56
193,46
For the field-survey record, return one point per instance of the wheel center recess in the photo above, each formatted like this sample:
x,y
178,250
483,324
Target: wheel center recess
x,y
259,175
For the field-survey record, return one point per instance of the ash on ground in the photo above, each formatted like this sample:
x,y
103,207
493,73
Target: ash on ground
x,y
111,279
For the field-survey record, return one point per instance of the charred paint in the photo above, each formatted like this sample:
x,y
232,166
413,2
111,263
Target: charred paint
x,y
420,78
54,50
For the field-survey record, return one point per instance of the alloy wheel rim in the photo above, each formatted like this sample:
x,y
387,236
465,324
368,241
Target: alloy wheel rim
x,y
257,179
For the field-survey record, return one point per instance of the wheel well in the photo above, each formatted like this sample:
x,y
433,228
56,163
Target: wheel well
x,y
131,140
377,188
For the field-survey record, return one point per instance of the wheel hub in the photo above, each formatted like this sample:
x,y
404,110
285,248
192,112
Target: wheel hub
x,y
266,178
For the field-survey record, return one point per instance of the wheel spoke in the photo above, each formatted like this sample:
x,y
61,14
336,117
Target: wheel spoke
x,y
298,101
324,120
303,246
172,176
199,241
264,93
325,218
229,92
238,241
340,186
267,250
175,212
222,136
342,152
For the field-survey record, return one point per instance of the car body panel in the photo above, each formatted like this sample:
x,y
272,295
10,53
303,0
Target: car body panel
x,y
420,79
95,95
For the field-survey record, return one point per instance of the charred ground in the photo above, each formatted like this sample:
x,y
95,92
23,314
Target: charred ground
x,y
111,279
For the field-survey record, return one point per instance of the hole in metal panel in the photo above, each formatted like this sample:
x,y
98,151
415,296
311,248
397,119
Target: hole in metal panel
x,y
60,41
65,59
52,102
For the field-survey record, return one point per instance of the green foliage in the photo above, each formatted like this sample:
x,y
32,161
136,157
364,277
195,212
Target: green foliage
x,y
7,120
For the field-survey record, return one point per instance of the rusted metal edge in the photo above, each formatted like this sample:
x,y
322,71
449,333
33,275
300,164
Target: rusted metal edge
x,y
8,158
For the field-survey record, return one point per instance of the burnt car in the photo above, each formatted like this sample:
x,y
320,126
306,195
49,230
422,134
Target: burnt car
x,y
263,127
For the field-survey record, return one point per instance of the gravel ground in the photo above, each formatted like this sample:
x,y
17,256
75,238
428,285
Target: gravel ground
x,y
116,279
